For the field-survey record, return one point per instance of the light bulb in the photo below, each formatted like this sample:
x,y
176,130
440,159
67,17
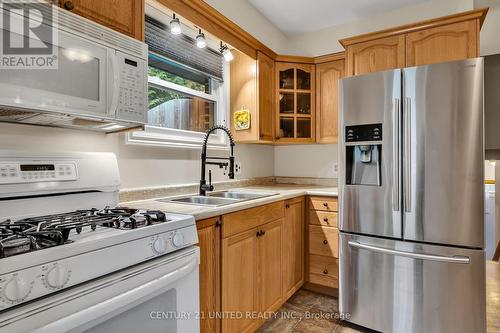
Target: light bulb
x,y
228,55
200,40
175,26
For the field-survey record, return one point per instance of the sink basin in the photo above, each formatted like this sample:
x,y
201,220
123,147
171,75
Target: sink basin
x,y
217,199
240,195
201,200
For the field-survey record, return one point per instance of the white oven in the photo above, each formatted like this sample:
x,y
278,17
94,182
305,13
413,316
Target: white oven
x,y
100,75
160,295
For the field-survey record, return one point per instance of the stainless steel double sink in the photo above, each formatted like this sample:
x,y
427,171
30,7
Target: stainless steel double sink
x,y
217,199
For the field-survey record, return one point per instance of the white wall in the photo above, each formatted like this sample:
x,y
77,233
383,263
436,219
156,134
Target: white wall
x,y
326,41
305,160
252,21
490,32
140,166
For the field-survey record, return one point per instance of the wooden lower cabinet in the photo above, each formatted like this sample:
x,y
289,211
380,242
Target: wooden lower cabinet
x,y
209,236
293,246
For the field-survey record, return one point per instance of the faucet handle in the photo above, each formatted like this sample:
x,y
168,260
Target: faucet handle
x,y
210,186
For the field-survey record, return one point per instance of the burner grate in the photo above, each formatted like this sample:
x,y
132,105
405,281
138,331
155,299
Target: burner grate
x,y
40,232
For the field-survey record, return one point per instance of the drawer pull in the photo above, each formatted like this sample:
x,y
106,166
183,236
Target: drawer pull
x,y
325,220
325,271
325,242
325,204
68,5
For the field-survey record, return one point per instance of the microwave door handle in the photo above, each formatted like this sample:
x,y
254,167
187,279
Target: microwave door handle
x,y
412,255
396,155
121,301
115,90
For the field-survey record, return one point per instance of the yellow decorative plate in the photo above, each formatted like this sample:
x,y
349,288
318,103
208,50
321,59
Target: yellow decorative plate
x,y
241,119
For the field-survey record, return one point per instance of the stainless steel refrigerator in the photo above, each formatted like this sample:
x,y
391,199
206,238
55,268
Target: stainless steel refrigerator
x,y
411,199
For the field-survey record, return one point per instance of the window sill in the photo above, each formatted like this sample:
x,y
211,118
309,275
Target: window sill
x,y
166,137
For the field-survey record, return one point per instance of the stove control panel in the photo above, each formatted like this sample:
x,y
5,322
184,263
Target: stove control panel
x,y
15,289
34,172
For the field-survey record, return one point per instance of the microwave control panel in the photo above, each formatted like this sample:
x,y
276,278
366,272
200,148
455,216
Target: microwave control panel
x,y
133,89
29,172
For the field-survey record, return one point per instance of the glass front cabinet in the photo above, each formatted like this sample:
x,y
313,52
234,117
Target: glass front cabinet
x,y
295,103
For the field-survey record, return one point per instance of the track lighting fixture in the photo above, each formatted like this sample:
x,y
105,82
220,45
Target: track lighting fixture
x,y
175,26
201,42
226,52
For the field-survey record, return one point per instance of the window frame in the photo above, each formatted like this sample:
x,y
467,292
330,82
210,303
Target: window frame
x,y
177,138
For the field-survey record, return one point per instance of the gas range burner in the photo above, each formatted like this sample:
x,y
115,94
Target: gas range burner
x,y
41,232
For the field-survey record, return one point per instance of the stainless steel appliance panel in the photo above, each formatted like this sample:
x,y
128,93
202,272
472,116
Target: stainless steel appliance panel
x,y
372,208
443,153
397,286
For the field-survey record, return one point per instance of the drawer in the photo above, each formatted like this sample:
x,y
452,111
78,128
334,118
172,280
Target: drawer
x,y
328,204
326,266
323,280
324,241
326,219
243,220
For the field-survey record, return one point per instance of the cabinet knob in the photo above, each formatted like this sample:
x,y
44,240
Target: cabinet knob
x,y
325,204
261,135
277,138
218,224
325,271
258,234
287,206
69,5
263,233
325,220
325,242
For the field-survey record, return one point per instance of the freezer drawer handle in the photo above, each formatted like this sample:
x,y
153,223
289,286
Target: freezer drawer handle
x,y
453,259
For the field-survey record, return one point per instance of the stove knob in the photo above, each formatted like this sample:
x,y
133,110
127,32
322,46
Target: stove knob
x,y
16,289
57,276
159,245
177,239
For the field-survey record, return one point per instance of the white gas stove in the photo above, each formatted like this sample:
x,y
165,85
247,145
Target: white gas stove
x,y
60,227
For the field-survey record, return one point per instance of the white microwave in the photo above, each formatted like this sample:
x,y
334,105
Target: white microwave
x,y
99,83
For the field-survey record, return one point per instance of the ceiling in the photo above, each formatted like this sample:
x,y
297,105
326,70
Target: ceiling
x,y
294,17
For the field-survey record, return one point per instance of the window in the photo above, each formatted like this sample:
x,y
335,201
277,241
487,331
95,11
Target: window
x,y
186,90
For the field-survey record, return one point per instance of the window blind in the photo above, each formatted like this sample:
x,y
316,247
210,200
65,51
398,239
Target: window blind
x,y
182,49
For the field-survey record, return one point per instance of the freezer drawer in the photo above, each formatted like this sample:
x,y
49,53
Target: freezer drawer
x,y
396,286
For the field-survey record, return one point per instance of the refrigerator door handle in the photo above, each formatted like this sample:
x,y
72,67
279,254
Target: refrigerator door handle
x,y
396,152
407,154
422,256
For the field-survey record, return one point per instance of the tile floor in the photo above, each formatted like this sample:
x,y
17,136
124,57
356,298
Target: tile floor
x,y
308,312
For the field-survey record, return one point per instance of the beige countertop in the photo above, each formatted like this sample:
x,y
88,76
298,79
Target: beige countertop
x,y
284,191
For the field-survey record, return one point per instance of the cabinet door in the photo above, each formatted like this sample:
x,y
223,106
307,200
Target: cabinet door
x,y
209,243
445,43
293,247
125,16
327,100
239,280
266,94
376,55
270,266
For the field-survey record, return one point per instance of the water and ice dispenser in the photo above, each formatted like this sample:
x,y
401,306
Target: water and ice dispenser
x,y
363,154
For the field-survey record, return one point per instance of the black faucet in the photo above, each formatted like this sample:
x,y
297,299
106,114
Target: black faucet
x,y
203,183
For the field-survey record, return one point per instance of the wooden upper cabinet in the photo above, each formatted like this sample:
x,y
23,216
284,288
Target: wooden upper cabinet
x,y
295,102
448,38
376,55
125,16
265,74
328,75
252,92
445,43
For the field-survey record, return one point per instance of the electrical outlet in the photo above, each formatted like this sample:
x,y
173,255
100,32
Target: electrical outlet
x,y
237,168
335,169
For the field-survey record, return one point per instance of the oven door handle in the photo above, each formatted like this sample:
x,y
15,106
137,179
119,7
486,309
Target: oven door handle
x,y
137,295
412,255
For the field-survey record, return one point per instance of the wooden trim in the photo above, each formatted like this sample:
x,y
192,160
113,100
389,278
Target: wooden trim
x,y
329,57
209,19
311,60
496,256
479,14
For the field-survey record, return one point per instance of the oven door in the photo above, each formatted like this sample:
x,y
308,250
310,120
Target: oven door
x,y
161,295
75,85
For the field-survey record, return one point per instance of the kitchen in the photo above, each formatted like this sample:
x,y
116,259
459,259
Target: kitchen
x,y
267,232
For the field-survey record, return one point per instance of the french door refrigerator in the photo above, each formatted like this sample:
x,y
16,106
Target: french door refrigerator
x,y
411,195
